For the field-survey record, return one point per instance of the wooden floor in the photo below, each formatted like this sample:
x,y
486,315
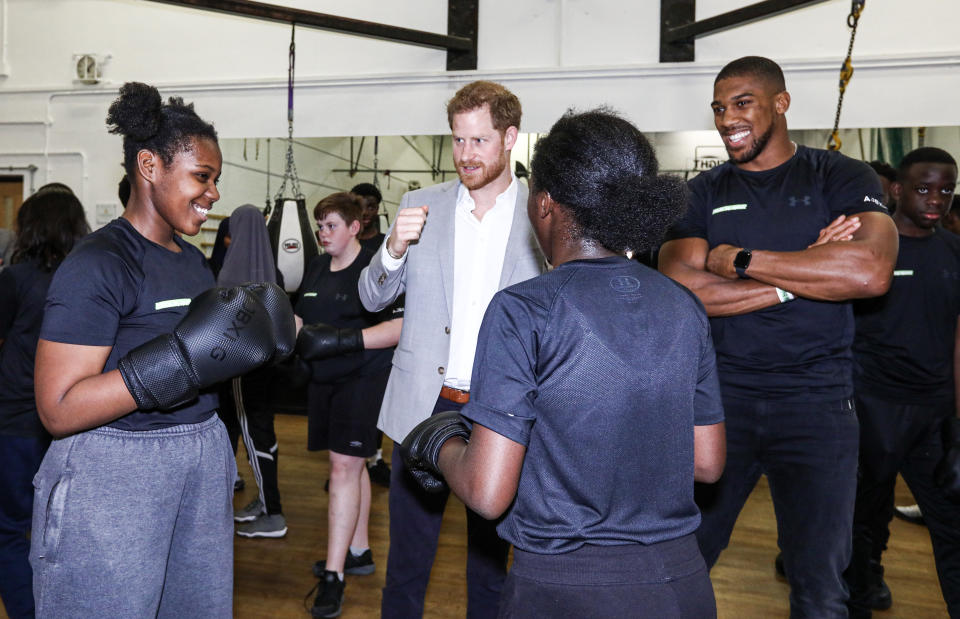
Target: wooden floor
x,y
273,576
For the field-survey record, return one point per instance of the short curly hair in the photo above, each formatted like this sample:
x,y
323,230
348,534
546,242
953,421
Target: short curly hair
x,y
601,168
505,108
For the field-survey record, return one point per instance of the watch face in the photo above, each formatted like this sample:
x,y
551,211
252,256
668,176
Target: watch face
x,y
742,259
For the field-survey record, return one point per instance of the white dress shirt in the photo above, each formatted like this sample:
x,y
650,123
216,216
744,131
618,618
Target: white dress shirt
x,y
479,247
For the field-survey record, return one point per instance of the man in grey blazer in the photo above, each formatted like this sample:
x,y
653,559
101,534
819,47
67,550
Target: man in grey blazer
x,y
451,248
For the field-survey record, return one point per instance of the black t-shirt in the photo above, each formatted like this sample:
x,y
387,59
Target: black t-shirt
x,y
23,289
799,350
332,298
119,289
373,243
903,349
601,369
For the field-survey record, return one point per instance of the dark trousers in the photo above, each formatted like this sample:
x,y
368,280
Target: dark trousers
x,y
20,457
668,580
905,439
255,419
415,518
808,451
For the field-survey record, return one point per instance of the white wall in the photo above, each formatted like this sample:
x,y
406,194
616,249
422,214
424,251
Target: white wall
x,y
553,53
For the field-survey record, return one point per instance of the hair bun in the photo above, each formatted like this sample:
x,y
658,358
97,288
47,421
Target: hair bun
x,y
136,113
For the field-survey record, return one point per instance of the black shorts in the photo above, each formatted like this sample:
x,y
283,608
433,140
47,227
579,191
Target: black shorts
x,y
342,417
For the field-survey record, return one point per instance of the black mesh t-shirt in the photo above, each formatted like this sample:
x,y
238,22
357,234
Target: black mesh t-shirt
x,y
601,368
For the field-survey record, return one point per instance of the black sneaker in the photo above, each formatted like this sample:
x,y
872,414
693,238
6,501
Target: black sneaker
x,y
879,597
380,473
329,600
355,565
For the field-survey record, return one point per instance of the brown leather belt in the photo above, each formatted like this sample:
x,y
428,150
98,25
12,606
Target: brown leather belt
x,y
455,395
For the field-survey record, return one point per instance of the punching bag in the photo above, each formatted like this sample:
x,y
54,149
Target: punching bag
x,y
292,240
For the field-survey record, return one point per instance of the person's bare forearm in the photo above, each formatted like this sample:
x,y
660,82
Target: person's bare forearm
x,y
721,296
831,272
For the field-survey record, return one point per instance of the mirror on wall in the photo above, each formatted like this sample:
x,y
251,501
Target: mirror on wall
x,y
253,168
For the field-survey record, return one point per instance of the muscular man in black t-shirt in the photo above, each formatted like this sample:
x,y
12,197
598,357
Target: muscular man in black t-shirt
x,y
904,375
774,242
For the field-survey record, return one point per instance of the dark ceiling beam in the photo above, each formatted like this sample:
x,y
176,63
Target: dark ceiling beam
x,y
455,44
678,28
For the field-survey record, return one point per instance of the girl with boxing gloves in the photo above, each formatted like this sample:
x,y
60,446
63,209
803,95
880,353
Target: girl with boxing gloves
x,y
133,504
595,402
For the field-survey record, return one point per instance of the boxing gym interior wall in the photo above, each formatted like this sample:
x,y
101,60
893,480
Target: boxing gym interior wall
x,y
554,54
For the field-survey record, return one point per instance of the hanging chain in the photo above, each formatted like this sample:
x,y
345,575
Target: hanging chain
x,y
376,161
268,208
846,71
291,170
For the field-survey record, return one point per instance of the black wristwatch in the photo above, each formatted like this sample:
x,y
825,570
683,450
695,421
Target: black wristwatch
x,y
741,262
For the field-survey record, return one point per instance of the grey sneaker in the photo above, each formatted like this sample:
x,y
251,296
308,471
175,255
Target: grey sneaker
x,y
253,509
267,525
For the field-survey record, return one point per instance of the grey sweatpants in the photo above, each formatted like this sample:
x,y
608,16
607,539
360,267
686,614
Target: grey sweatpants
x,y
135,524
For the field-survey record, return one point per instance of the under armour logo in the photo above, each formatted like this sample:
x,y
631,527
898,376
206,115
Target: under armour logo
x,y
340,296
794,201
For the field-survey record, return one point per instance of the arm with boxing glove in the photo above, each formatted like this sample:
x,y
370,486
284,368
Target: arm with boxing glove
x,y
479,465
225,332
321,341
947,473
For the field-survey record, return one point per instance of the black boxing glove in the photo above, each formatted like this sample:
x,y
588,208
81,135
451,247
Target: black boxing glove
x,y
226,332
947,473
320,341
281,313
421,448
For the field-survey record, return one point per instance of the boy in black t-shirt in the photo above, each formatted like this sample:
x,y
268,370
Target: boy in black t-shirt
x,y
774,243
904,351
350,351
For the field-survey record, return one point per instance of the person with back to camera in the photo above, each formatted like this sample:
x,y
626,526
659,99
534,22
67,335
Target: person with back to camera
x,y
595,403
775,242
349,351
451,247
49,223
133,504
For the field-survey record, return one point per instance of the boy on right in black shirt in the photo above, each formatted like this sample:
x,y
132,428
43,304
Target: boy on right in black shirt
x,y
905,381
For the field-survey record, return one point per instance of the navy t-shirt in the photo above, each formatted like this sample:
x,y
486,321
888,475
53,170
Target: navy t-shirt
x,y
798,350
601,368
116,288
332,298
904,343
373,243
23,288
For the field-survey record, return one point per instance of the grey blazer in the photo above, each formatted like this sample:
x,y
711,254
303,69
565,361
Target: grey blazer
x,y
426,276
